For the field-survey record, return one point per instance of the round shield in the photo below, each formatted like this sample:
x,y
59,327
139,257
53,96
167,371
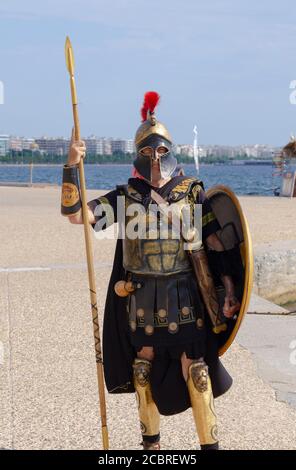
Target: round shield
x,y
235,236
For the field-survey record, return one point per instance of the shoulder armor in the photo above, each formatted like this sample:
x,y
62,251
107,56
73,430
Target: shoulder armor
x,y
121,188
129,191
183,188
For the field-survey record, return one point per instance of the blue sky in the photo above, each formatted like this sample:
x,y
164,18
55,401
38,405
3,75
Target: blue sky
x,y
225,65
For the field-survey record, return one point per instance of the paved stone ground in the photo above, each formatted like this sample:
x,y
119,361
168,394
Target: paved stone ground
x,y
272,341
48,388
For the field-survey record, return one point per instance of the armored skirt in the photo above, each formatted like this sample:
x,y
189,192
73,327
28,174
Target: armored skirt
x,y
167,313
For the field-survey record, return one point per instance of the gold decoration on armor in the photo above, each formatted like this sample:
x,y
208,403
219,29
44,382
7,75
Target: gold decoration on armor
x,y
124,288
148,412
107,209
202,402
70,195
161,320
185,311
162,313
173,327
142,368
199,375
149,329
182,187
140,313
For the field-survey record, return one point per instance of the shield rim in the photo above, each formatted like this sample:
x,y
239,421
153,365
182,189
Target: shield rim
x,y
248,257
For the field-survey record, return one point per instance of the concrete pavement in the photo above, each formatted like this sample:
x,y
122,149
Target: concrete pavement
x,y
272,342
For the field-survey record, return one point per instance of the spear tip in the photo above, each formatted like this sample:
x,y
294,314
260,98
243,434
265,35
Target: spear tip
x,y
69,56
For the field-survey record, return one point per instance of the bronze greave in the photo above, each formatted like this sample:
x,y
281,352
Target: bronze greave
x,y
202,402
148,412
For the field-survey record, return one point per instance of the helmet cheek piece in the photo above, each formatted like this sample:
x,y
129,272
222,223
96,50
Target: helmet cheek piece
x,y
167,164
142,164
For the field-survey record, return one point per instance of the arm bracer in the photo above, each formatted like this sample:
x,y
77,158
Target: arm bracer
x,y
71,199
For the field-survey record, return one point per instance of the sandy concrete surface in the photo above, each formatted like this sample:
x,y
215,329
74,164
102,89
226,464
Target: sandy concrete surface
x,y
270,218
48,387
275,352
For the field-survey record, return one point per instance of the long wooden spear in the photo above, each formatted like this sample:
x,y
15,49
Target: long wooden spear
x,y
89,251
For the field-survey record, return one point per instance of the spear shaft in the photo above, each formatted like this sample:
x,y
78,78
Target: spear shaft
x,y
89,252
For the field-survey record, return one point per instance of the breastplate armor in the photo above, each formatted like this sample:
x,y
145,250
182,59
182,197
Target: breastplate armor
x,y
153,255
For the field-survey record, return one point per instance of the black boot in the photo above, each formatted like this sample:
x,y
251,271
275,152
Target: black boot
x,y
151,442
210,446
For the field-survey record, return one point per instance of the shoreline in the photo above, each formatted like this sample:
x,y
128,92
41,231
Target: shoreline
x,y
234,163
17,184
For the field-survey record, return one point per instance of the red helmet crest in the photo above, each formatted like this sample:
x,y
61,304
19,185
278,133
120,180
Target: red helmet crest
x,y
151,100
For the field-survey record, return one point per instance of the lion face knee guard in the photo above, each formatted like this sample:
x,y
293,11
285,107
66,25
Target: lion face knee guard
x,y
148,412
202,402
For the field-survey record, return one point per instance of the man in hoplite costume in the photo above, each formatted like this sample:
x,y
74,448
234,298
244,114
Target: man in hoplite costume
x,y
158,340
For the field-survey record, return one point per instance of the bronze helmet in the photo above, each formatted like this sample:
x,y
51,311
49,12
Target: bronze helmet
x,y
153,133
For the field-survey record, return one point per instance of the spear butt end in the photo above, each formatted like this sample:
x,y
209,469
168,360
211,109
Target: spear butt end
x,y
105,437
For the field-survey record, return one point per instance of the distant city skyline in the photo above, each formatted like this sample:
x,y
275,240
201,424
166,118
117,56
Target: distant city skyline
x,y
90,136
109,146
224,65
